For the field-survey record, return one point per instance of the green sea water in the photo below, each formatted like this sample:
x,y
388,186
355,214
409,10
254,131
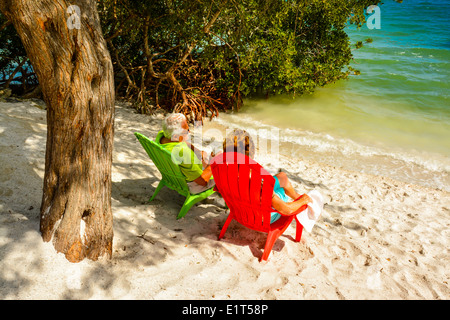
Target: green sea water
x,y
393,119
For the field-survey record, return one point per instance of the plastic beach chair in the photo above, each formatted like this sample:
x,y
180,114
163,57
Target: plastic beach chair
x,y
172,177
247,190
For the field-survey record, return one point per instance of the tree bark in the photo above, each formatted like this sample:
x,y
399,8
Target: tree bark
x,y
76,76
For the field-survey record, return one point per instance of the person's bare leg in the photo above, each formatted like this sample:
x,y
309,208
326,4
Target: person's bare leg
x,y
287,186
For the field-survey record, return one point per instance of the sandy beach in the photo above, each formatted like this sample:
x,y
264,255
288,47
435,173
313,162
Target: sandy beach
x,y
377,238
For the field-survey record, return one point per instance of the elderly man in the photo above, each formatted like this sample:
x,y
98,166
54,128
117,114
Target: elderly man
x,y
194,164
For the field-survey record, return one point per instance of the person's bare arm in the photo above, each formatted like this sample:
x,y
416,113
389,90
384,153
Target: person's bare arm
x,y
289,208
204,177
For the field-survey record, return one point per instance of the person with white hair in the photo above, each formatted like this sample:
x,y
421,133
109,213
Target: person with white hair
x,y
194,164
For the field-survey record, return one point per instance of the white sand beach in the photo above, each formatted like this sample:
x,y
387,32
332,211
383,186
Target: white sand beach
x,y
376,239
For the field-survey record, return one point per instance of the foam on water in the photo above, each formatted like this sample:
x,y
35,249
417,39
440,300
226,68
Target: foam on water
x,y
411,166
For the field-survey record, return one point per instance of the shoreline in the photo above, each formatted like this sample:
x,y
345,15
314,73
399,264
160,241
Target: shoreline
x,y
429,169
377,238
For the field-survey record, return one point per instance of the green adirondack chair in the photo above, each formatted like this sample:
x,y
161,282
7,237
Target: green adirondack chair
x,y
172,177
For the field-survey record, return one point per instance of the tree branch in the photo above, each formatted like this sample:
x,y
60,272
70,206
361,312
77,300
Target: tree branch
x,y
189,49
11,77
125,71
7,23
120,30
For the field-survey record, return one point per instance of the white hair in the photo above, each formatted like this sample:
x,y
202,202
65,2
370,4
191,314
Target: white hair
x,y
172,125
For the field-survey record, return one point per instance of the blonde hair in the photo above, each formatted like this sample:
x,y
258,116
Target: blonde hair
x,y
239,141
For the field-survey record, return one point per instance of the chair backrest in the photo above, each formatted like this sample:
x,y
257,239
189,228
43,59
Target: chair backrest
x,y
162,158
246,187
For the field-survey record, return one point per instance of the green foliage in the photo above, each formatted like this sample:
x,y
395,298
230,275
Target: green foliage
x,y
255,46
164,55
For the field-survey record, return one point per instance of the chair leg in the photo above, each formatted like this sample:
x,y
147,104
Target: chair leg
x,y
158,188
188,203
299,230
271,238
191,200
225,226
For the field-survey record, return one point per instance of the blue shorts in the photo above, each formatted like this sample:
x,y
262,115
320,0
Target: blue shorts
x,y
279,191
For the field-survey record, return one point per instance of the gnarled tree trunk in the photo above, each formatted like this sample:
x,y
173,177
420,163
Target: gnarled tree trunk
x,y
75,73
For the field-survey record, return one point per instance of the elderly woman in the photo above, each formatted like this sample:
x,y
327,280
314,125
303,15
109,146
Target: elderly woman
x,y
175,137
285,198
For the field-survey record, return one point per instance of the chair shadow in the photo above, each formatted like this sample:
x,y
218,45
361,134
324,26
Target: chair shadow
x,y
242,236
139,192
135,190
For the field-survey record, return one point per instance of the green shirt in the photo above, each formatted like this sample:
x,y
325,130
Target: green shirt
x,y
184,157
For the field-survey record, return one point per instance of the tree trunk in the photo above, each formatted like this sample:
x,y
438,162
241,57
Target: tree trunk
x,y
75,73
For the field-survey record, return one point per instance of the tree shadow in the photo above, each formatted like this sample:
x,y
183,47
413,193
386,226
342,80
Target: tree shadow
x,y
239,235
22,153
135,191
145,233
310,184
339,209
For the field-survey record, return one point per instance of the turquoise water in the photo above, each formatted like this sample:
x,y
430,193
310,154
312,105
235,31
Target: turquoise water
x,y
393,119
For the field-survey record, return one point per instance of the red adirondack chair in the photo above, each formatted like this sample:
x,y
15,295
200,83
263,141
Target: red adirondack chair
x,y
247,189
